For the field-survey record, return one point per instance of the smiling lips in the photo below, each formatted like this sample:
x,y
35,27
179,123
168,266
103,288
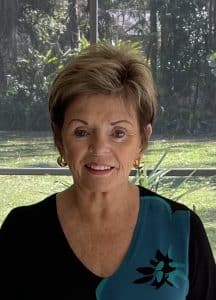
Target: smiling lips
x,y
99,169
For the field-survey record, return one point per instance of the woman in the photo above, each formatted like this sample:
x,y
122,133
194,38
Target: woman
x,y
105,238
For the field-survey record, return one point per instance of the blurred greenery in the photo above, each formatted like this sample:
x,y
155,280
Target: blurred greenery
x,y
177,39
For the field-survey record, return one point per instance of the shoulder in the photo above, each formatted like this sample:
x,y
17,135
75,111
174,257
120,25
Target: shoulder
x,y
25,217
196,230
163,201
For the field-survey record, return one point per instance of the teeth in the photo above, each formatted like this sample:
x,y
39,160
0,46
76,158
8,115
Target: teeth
x,y
98,167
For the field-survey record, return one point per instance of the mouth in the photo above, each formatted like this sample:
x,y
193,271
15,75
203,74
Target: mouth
x,y
99,169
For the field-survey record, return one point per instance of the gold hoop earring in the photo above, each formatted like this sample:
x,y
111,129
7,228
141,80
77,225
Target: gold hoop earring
x,y
136,163
61,162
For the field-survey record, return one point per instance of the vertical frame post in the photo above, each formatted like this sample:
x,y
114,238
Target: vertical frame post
x,y
93,8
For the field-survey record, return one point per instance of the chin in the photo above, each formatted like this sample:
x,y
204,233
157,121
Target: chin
x,y
104,187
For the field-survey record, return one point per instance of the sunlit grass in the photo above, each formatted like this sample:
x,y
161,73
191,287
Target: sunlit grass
x,y
27,150
182,153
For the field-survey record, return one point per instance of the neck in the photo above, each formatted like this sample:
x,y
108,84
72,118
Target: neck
x,y
94,206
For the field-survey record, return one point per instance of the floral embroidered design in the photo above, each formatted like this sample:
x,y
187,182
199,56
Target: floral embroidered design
x,y
163,270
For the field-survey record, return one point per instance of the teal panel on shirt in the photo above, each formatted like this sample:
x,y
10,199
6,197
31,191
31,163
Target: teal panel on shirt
x,y
156,264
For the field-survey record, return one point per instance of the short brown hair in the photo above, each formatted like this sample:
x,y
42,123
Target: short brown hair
x,y
103,68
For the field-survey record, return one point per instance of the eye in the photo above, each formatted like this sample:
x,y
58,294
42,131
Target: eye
x,y
118,133
78,132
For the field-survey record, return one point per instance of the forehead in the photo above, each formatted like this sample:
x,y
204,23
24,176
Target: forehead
x,y
101,107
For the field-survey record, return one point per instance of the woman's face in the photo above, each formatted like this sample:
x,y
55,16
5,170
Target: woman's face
x,y
100,141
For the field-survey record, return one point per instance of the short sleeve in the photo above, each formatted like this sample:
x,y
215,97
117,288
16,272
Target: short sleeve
x,y
202,267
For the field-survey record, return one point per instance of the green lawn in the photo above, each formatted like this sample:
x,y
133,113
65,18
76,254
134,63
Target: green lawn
x,y
183,153
37,150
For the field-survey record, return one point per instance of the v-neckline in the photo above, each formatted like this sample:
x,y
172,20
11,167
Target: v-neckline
x,y
129,252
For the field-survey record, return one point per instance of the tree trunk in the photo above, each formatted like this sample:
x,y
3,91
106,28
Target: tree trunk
x,y
153,45
214,26
8,26
3,79
73,31
165,52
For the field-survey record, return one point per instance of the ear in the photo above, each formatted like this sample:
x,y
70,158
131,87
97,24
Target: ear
x,y
147,136
58,140
148,132
59,146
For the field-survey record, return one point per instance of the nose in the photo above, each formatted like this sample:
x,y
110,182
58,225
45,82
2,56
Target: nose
x,y
99,144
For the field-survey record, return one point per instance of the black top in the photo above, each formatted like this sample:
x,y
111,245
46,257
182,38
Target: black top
x,y
36,261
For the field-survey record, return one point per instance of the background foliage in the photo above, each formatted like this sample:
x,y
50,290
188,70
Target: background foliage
x,y
177,37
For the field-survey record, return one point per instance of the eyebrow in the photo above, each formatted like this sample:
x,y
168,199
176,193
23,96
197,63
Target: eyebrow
x,y
77,120
112,123
121,121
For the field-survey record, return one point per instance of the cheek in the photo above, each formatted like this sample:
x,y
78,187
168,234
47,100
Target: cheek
x,y
129,154
72,151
